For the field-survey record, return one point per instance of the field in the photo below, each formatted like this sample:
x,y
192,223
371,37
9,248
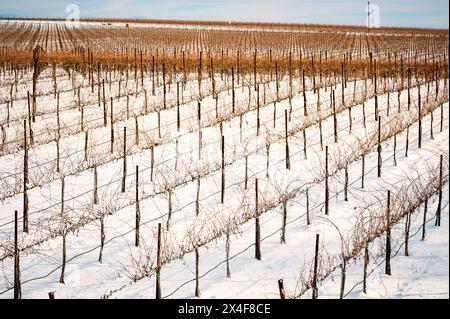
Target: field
x,y
165,159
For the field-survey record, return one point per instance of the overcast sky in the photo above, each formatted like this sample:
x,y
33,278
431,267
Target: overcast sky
x,y
413,13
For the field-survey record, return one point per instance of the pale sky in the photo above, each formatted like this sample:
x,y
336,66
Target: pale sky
x,y
404,13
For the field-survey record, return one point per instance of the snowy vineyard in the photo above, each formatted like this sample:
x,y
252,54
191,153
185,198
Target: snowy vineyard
x,y
292,164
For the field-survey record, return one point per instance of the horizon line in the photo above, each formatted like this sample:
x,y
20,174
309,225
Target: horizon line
x,y
219,22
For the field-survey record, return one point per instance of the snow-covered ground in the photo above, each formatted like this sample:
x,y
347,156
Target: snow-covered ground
x,y
128,272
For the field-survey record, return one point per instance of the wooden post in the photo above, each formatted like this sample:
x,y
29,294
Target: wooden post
x,y
274,114
222,193
308,219
136,133
64,233
420,123
169,214
364,114
102,239
395,149
158,264
376,98
82,118
36,71
254,67
57,157
366,263
58,124
407,229
29,120
407,141
142,71
105,122
153,75
138,210
7,114
199,120
197,198
95,186
164,87
305,144
350,119
257,225
86,141
25,180
305,105
439,208
316,262
246,172
343,275
197,281
257,111
284,221
281,289
431,125
233,93
277,85
388,235
334,117
128,107
346,184
424,223
112,127
17,285
409,89
124,176
388,109
286,137
227,251
200,75
98,85
379,149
